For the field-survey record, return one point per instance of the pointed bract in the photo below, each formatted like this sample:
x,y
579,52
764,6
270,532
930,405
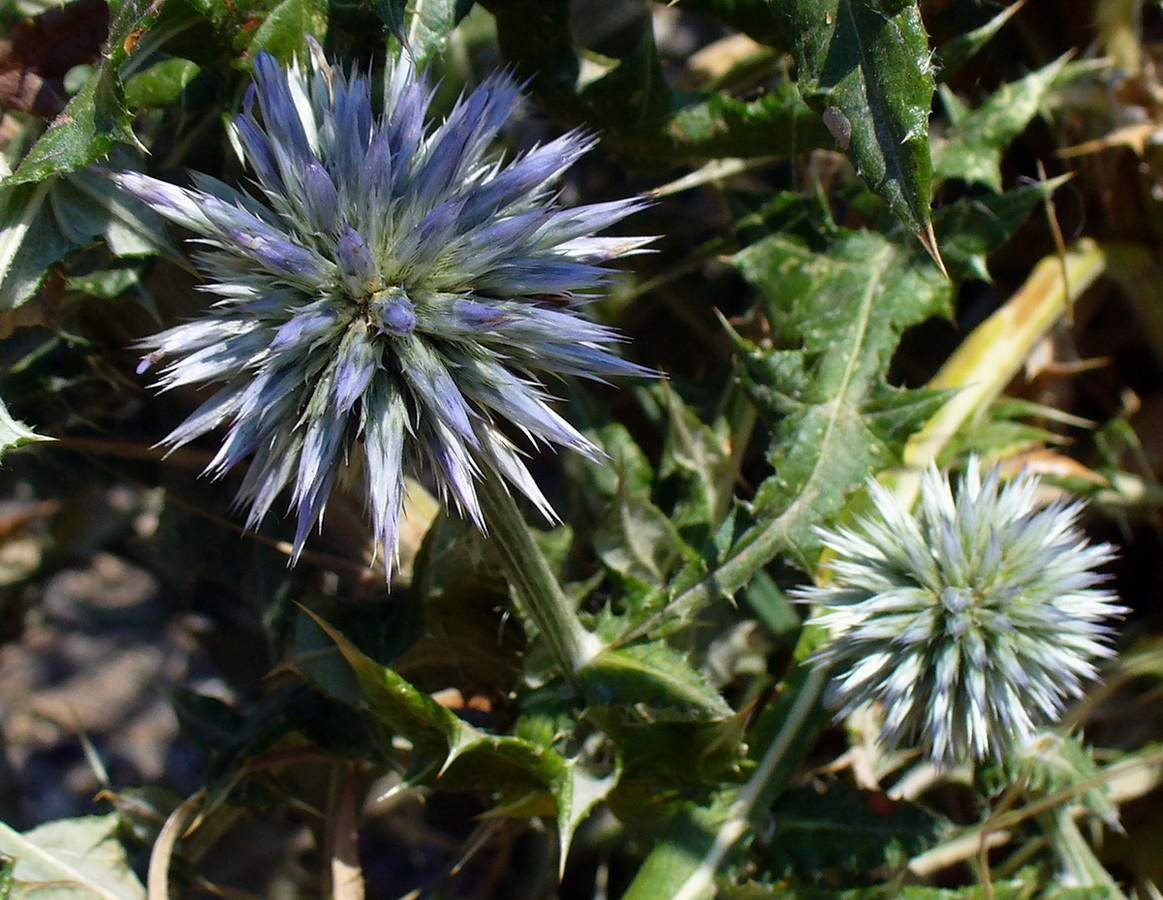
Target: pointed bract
x,y
386,296
969,624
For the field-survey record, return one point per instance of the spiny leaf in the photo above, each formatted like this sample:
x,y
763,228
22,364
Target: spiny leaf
x,y
972,228
964,47
841,835
577,792
698,456
1011,889
461,757
638,541
656,679
432,729
971,150
833,417
865,65
70,858
535,36
161,84
635,93
14,433
458,755
96,118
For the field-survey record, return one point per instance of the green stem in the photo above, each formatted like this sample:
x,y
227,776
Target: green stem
x,y
713,834
1078,863
537,594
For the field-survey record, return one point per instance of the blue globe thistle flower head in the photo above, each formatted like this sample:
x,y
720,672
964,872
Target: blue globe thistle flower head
x,y
395,291
970,623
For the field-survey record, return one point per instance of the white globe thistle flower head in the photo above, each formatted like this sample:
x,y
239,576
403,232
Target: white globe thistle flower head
x,y
969,623
397,288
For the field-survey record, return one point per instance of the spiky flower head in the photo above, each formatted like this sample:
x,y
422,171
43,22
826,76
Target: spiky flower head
x,y
969,623
394,290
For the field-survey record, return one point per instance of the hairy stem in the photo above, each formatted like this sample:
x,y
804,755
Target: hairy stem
x,y
539,598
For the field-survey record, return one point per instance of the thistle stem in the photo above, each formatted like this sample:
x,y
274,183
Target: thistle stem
x,y
537,594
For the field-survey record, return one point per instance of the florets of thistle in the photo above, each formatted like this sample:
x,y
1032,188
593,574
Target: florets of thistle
x,y
969,623
398,289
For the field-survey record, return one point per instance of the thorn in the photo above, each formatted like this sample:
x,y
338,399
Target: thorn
x,y
929,241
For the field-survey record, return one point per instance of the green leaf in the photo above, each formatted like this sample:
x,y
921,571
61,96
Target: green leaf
x,y
843,836
655,679
698,457
635,93
577,792
284,30
972,228
96,117
458,756
864,65
108,284
465,639
435,732
438,736
161,84
14,433
625,469
77,859
639,542
972,147
1015,889
834,419
958,51
690,838
40,224
430,25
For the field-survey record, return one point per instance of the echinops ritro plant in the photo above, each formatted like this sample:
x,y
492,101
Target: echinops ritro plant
x,y
394,292
969,623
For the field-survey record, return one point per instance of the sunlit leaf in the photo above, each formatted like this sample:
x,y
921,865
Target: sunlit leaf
x,y
429,25
834,418
638,541
70,859
14,433
971,150
285,27
656,679
843,836
698,457
160,84
865,66
96,117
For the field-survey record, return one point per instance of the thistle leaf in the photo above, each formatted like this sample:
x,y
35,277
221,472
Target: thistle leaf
x,y
96,117
973,146
833,416
69,858
865,66
431,24
14,433
285,27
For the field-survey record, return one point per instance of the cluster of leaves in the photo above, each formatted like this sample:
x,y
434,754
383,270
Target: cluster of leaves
x,y
695,736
